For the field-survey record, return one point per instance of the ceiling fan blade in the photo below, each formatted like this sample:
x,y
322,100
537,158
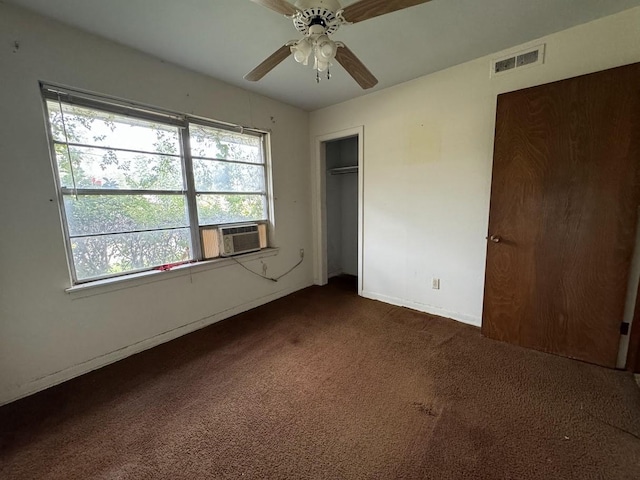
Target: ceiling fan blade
x,y
281,6
269,64
366,9
355,67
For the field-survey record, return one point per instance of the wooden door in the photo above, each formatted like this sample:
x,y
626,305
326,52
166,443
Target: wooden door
x,y
564,198
633,353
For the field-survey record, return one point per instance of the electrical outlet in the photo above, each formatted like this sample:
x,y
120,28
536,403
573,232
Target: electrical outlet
x,y
302,253
435,283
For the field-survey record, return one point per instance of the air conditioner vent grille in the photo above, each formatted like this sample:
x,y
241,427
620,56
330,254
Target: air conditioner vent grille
x,y
243,229
242,243
239,239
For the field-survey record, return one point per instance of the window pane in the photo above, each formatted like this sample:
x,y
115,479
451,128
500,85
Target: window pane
x,y
216,176
99,168
214,143
93,127
121,253
215,209
96,214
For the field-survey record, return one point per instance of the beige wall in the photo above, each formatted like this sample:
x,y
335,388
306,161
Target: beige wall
x,y
47,335
428,147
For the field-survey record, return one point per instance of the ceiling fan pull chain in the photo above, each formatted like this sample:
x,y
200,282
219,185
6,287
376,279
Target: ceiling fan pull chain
x,y
317,76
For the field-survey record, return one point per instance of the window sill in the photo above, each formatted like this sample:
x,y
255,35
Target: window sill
x,y
143,278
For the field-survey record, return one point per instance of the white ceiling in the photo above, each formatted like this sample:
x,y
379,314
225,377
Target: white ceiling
x,y
228,38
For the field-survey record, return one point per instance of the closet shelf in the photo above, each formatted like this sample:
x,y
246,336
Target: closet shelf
x,y
343,170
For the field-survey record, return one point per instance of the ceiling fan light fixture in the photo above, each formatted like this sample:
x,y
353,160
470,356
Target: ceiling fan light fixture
x,y
325,49
301,51
300,57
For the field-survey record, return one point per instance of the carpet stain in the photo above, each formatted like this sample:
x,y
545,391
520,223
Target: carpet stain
x,y
425,408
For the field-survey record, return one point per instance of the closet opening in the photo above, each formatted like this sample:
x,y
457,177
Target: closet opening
x,y
341,188
338,209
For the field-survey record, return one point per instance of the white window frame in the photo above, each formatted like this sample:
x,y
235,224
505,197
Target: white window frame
x,y
105,104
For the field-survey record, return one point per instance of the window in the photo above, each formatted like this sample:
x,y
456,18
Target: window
x,y
136,185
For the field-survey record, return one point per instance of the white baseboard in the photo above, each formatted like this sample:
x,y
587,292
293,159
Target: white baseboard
x,y
108,358
421,307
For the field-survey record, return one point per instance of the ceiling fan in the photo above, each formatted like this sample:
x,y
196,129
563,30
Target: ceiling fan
x,y
317,20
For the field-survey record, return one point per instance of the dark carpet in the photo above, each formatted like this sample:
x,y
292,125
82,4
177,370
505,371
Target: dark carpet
x,y
325,384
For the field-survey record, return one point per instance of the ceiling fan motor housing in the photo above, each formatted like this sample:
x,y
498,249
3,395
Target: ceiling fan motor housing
x,y
332,5
317,12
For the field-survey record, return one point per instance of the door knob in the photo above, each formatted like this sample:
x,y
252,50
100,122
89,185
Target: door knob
x,y
494,238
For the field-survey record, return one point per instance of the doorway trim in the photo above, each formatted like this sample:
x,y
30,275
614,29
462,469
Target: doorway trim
x,y
319,205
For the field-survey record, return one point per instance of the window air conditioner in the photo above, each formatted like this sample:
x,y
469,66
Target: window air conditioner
x,y
238,239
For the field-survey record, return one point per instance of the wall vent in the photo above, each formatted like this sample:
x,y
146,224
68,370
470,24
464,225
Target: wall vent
x,y
525,58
